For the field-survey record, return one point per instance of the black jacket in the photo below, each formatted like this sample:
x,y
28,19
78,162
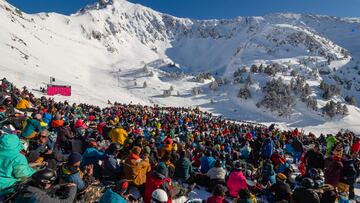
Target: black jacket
x,y
314,159
304,195
282,191
34,194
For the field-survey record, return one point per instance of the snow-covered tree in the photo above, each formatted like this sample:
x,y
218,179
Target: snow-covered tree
x,y
249,80
151,74
238,80
146,69
330,109
351,100
244,93
261,68
345,110
167,93
144,84
196,90
171,88
254,68
214,86
277,97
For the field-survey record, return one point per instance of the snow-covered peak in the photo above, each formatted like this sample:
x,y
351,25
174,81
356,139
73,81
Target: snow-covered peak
x,y
107,48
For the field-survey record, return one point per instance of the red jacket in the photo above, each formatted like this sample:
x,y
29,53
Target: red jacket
x,y
100,127
216,199
157,181
355,147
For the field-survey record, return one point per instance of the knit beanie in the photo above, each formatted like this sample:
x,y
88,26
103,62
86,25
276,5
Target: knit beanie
x,y
281,176
136,150
74,157
162,169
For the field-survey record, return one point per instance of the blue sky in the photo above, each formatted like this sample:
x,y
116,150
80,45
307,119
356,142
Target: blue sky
x,y
208,9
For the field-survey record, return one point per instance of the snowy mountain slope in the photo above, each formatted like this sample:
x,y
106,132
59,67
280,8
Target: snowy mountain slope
x,y
87,50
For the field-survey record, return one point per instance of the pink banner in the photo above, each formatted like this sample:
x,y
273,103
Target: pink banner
x,y
58,89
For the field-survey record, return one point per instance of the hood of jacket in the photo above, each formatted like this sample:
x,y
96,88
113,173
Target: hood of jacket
x,y
10,142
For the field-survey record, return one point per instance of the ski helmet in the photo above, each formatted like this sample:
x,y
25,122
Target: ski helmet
x,y
159,196
307,183
44,176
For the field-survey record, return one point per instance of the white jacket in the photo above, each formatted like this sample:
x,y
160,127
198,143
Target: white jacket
x,y
216,173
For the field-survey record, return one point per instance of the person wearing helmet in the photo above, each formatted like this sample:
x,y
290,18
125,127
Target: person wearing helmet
x,y
118,194
112,169
41,189
159,196
281,188
305,193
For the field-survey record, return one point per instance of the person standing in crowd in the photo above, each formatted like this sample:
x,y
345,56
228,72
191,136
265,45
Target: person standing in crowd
x,y
314,158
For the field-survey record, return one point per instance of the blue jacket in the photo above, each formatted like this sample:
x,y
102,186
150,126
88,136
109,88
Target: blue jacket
x,y
92,156
69,177
47,118
267,148
111,197
207,163
112,169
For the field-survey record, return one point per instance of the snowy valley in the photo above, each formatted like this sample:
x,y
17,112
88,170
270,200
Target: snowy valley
x,y
298,70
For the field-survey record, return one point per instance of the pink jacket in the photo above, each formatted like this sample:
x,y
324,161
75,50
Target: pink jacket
x,y
235,183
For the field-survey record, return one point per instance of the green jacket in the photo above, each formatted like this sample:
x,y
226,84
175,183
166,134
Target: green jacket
x,y
13,165
32,125
330,143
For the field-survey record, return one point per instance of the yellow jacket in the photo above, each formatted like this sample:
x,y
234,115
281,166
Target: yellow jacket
x,y
23,104
118,135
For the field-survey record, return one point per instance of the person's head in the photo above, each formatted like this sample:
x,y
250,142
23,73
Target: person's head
x,y
44,178
136,150
114,148
244,194
281,177
218,163
182,153
162,169
219,190
122,186
313,173
43,136
159,196
74,159
317,147
166,157
307,183
38,117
